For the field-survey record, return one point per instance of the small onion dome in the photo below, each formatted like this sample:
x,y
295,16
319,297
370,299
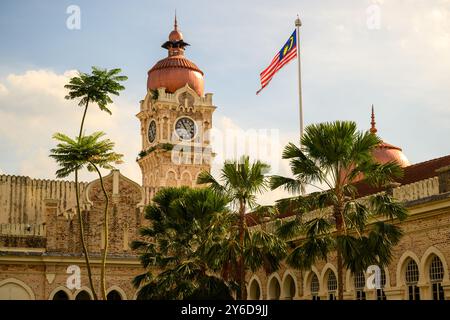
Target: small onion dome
x,y
383,153
175,35
386,152
175,71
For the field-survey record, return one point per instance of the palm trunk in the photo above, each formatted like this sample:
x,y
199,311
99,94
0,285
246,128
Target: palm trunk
x,y
83,243
83,118
242,289
80,217
105,231
340,267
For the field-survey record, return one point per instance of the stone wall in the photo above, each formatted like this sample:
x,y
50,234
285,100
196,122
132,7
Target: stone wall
x,y
34,257
46,278
125,218
22,198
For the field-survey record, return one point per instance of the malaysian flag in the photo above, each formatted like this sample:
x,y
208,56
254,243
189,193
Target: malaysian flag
x,y
286,54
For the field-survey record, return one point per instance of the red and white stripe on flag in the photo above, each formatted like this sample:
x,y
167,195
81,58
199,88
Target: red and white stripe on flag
x,y
286,54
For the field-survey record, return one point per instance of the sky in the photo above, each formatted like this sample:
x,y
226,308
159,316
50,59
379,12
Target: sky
x,y
354,53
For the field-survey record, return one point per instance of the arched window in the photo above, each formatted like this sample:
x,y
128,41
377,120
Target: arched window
x,y
436,276
360,283
315,287
113,295
171,179
332,286
83,295
274,289
380,292
14,289
60,295
255,290
289,288
412,277
186,179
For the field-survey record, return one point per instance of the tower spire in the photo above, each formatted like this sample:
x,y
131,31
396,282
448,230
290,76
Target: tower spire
x,y
373,129
175,24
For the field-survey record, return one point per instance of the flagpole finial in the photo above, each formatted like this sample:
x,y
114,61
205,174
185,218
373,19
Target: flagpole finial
x,y
373,129
298,22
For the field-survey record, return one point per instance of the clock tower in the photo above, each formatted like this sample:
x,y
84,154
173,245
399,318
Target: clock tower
x,y
175,117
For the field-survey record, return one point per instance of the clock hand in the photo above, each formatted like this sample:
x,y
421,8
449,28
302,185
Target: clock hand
x,y
185,127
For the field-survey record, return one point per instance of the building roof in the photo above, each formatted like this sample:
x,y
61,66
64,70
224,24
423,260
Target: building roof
x,y
413,173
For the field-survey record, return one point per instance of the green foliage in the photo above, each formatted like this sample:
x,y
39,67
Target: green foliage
x,y
185,223
332,156
75,154
159,146
245,248
96,87
155,94
194,238
239,180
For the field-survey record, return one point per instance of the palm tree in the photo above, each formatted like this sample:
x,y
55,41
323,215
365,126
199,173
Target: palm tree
x,y
183,223
97,88
241,181
72,155
336,155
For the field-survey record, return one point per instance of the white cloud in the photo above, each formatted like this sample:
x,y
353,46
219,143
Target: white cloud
x,y
34,109
265,144
3,90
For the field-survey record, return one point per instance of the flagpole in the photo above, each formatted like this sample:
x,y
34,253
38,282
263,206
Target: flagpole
x,y
298,24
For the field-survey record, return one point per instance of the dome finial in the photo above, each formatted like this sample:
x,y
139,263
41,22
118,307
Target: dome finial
x,y
175,45
373,129
175,24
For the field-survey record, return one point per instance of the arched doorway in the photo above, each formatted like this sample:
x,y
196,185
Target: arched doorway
x,y
83,295
255,291
113,295
61,295
289,289
274,289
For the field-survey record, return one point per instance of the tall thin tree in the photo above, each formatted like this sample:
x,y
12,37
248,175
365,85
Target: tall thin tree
x,y
96,88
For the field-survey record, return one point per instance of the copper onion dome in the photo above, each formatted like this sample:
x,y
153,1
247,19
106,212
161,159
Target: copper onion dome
x,y
386,152
176,70
383,153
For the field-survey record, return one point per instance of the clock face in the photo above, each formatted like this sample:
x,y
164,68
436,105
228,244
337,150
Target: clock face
x,y
152,131
185,128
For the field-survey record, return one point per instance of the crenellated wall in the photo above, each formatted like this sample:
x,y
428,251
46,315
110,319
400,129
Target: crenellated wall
x,y
22,198
417,190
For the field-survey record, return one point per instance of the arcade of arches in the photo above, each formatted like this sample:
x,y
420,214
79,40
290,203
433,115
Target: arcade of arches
x,y
410,279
